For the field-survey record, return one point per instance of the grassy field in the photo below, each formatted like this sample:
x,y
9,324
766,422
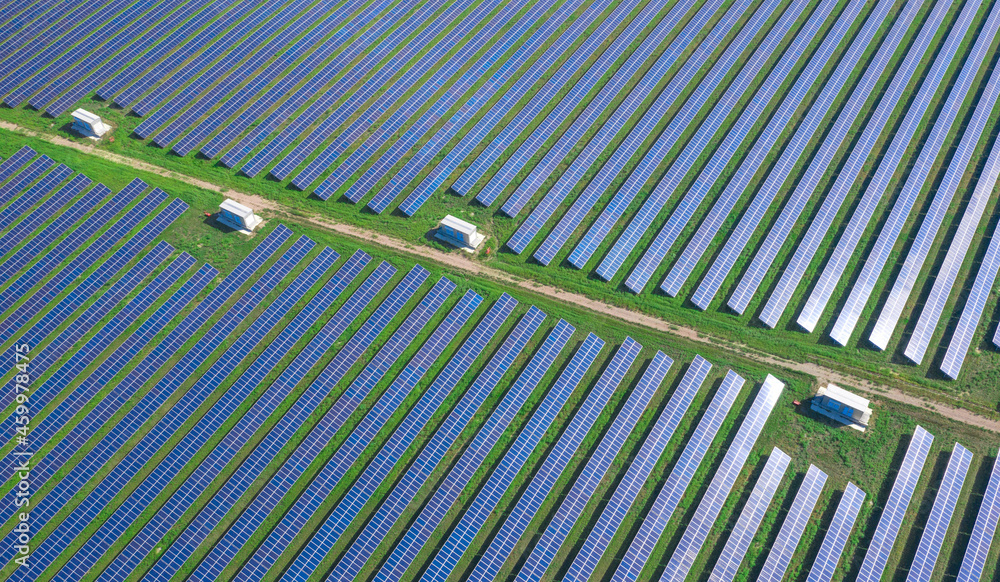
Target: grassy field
x,y
870,460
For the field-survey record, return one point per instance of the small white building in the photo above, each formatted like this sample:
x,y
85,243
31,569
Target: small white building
x,y
459,233
238,217
840,405
89,125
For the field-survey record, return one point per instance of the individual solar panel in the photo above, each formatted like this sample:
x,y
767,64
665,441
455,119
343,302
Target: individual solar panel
x,y
406,113
119,435
489,495
982,533
895,507
597,467
510,98
338,414
840,528
680,476
349,453
750,517
280,74
879,182
853,167
722,483
809,181
937,523
403,436
253,466
737,134
530,146
394,505
741,180
490,563
486,438
893,226
694,148
946,275
344,56
784,545
641,130
220,456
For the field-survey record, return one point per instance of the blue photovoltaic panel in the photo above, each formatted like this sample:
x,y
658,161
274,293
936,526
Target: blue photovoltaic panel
x,y
945,277
781,551
764,146
403,436
895,508
737,133
449,489
251,468
829,553
24,26
722,483
489,565
751,514
508,101
793,150
394,505
694,149
248,424
982,533
405,113
338,414
531,145
901,208
23,178
120,434
887,166
854,167
26,200
598,465
13,164
508,468
45,210
680,477
932,538
349,453
824,156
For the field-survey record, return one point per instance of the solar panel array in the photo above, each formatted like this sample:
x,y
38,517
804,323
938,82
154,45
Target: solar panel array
x,y
751,515
828,557
594,113
781,551
895,507
978,548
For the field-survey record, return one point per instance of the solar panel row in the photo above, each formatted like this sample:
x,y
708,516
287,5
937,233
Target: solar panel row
x,y
25,25
750,517
42,213
404,177
722,483
893,225
738,184
835,136
937,523
489,121
595,108
514,527
499,481
394,505
650,118
673,489
486,438
576,500
406,113
252,468
781,551
981,539
895,507
854,166
836,536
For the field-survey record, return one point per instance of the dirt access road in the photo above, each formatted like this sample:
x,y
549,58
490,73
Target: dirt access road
x,y
461,262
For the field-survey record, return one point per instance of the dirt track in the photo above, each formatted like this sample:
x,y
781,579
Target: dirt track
x,y
461,262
